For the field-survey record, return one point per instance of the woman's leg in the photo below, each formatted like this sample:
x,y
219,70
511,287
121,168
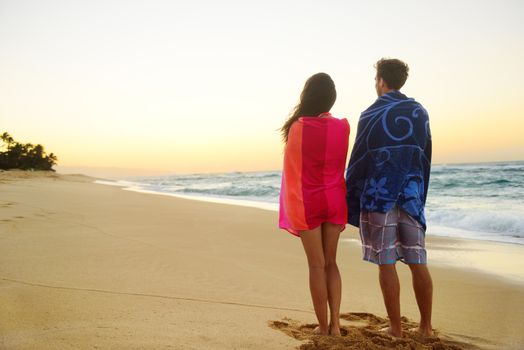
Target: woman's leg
x,y
312,241
330,236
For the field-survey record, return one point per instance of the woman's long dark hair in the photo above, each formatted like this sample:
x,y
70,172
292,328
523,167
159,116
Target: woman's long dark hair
x,y
318,96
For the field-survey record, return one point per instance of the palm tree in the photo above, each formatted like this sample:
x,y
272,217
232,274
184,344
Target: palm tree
x,y
24,156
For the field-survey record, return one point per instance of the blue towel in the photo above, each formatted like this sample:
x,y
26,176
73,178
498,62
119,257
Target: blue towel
x,y
391,159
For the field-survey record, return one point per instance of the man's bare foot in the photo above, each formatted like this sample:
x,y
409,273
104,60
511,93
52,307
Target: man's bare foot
x,y
389,331
319,331
425,332
334,329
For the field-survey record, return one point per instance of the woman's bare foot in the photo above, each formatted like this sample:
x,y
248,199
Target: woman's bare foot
x,y
390,332
423,331
334,329
320,331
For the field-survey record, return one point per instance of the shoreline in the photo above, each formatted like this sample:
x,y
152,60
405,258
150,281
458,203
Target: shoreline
x,y
264,205
485,256
219,200
84,265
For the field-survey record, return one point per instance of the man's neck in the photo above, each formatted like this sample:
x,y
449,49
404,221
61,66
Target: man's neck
x,y
387,91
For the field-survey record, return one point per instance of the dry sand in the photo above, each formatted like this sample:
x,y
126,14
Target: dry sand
x,y
87,266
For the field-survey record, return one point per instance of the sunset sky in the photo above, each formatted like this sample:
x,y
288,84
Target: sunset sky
x,y
202,86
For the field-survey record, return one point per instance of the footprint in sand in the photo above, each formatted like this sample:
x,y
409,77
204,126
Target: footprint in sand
x,y
362,331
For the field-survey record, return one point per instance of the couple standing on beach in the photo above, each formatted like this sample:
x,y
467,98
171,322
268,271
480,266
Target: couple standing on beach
x,y
383,193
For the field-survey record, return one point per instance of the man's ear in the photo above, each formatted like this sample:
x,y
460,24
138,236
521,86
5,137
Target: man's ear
x,y
381,83
384,85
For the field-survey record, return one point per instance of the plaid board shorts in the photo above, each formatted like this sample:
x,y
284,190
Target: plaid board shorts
x,y
392,236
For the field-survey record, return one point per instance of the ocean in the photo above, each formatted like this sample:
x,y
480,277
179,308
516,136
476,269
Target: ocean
x,y
482,201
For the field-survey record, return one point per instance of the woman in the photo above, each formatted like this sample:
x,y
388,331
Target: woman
x,y
313,192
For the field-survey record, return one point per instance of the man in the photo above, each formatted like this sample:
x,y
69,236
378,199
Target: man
x,y
387,184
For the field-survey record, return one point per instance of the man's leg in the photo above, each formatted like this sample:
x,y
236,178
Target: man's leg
x,y
412,240
423,286
390,286
379,238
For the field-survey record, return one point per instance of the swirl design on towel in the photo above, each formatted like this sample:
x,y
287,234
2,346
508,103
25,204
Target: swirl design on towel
x,y
398,119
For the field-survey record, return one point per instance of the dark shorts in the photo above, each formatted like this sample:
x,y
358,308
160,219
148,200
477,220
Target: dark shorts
x,y
392,236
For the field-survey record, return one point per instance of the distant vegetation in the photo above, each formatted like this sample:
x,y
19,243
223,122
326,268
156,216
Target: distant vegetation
x,y
24,156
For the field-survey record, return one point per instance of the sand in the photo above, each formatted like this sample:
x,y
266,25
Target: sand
x,y
88,266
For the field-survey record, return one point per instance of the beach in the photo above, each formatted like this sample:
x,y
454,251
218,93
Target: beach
x,y
89,266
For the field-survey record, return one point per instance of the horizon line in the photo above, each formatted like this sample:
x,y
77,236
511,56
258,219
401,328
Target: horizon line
x,y
249,171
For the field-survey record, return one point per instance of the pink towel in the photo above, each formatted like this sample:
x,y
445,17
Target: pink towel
x,y
313,188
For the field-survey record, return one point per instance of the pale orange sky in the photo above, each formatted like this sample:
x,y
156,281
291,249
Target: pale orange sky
x,y
155,86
